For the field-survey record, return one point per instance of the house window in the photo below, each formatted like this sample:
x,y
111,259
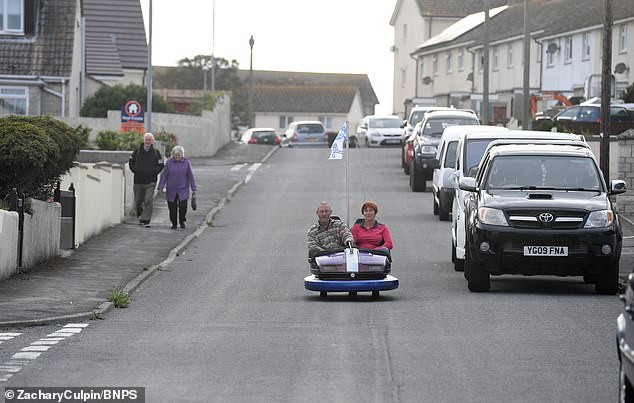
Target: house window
x,y
434,62
550,56
285,121
623,38
585,46
13,101
568,49
496,58
448,60
12,16
326,120
460,59
509,56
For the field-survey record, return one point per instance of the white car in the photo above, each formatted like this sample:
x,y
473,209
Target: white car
x,y
375,131
471,148
442,178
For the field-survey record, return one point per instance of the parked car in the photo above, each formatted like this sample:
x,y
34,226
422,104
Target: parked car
x,y
260,136
625,343
376,130
306,132
542,209
471,148
442,179
425,143
592,113
415,117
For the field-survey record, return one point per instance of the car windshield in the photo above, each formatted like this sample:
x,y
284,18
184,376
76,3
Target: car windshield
x,y
416,117
386,123
261,135
474,150
543,172
450,157
310,128
435,127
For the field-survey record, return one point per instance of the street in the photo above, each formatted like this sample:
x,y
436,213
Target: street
x,y
229,320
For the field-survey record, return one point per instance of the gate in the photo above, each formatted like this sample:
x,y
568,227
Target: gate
x,y
67,228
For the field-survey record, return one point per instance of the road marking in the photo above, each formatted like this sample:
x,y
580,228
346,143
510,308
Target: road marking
x,y
255,166
29,353
238,167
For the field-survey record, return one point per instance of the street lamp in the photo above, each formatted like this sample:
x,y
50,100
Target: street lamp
x,y
251,42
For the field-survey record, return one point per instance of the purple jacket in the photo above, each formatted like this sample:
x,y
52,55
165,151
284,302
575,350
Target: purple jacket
x,y
179,177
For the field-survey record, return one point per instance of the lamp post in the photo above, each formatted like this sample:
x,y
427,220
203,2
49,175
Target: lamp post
x,y
148,107
251,42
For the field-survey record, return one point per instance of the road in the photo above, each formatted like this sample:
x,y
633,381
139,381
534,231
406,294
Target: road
x,y
230,321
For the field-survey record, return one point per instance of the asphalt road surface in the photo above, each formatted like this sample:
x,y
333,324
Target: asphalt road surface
x,y
230,320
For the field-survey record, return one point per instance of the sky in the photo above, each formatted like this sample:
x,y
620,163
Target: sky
x,y
325,36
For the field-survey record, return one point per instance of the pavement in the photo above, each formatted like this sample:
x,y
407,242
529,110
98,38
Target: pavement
x,y
76,285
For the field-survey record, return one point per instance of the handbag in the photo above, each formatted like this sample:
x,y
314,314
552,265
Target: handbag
x,y
194,204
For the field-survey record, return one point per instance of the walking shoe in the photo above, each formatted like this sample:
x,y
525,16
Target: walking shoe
x,y
183,225
173,226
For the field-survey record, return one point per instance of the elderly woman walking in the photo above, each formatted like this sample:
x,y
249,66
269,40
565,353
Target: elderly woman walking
x,y
178,177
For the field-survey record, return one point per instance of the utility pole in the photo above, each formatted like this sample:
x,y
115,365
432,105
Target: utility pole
x,y
527,68
213,46
148,107
606,91
485,55
251,42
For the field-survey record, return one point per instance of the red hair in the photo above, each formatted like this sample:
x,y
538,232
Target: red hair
x,y
370,204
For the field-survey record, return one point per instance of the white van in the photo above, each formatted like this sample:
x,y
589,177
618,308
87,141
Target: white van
x,y
442,179
471,148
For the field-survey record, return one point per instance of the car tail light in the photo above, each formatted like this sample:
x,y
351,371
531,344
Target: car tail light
x,y
277,140
325,136
253,141
295,137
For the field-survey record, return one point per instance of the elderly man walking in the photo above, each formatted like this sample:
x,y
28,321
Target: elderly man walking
x,y
146,163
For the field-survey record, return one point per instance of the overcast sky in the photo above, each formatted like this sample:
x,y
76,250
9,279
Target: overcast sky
x,y
330,36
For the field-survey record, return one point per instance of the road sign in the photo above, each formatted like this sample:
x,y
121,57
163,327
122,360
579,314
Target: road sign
x,y
132,117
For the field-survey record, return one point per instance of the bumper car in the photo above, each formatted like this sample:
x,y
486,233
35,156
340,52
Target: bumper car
x,y
350,270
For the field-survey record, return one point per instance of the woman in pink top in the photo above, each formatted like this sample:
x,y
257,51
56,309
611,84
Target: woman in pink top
x,y
368,233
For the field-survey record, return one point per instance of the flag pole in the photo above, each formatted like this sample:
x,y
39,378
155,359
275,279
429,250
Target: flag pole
x,y
347,186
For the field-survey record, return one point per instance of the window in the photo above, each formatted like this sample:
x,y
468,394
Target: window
x,y
448,60
568,49
509,56
496,58
480,62
623,38
585,46
460,59
435,64
326,120
13,101
285,121
11,16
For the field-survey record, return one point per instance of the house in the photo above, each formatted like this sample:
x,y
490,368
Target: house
x,y
277,105
414,22
565,52
39,57
43,52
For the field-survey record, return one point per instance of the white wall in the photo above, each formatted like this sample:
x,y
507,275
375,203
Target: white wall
x,y
41,233
8,243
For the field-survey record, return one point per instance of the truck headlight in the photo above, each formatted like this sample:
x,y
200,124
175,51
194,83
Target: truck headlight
x,y
428,150
492,216
599,219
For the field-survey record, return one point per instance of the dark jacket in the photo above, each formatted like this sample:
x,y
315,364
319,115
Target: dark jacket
x,y
145,165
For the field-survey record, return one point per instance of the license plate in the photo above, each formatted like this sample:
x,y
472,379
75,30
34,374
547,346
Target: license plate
x,y
312,139
545,251
392,141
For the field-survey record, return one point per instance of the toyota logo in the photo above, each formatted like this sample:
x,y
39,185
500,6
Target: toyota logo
x,y
546,217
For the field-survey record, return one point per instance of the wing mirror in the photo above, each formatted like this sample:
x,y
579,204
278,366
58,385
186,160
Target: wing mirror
x,y
468,184
403,124
617,186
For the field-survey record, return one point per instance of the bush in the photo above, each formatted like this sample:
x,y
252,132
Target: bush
x,y
114,140
26,151
108,140
543,125
114,98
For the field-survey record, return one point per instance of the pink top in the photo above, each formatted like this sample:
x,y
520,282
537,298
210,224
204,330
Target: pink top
x,y
372,238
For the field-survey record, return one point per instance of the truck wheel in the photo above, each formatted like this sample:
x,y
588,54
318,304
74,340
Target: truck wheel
x,y
608,281
479,279
443,215
458,264
416,180
323,294
436,207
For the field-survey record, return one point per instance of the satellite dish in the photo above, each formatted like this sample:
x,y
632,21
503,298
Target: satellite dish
x,y
470,77
620,68
427,80
552,48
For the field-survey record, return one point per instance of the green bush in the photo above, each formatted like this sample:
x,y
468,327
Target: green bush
x,y
543,125
114,140
83,135
27,153
108,140
114,98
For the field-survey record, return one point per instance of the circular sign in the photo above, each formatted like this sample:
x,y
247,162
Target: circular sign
x,y
133,108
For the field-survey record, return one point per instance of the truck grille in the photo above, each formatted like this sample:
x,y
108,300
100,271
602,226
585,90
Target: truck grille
x,y
546,219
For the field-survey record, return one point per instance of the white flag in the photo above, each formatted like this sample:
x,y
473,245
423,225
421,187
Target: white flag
x,y
336,151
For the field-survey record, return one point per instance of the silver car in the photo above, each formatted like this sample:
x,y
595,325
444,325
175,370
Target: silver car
x,y
375,131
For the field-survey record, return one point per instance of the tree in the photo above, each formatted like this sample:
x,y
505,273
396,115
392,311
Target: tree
x,y
628,95
114,98
189,75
